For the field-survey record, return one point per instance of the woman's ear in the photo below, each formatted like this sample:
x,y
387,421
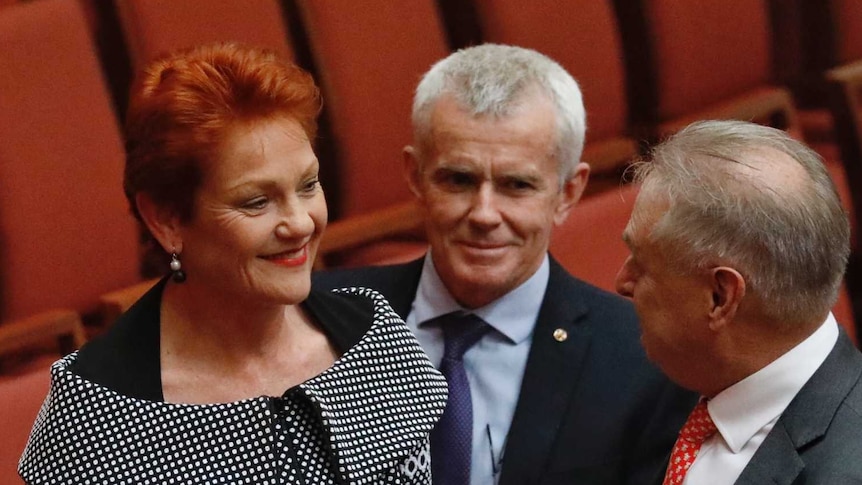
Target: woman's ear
x,y
163,223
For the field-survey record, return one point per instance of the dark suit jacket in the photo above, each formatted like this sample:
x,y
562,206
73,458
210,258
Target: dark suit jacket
x,y
818,439
592,409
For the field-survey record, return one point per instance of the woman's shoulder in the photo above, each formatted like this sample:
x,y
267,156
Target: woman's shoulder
x,y
345,314
125,358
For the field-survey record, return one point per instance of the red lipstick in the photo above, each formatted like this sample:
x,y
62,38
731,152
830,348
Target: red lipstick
x,y
290,259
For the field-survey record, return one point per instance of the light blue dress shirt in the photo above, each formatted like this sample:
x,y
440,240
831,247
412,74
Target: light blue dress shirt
x,y
495,365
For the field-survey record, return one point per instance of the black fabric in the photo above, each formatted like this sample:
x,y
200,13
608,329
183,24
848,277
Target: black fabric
x,y
126,358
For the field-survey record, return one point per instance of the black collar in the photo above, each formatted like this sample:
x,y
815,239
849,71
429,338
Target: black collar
x,y
126,358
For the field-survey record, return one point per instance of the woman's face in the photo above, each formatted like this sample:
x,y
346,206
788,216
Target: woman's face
x,y
258,215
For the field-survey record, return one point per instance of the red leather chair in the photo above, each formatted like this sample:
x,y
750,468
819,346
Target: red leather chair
x,y
153,27
20,399
23,390
589,243
67,233
371,55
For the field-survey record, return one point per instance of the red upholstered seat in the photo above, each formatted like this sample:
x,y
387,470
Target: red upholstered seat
x,y
589,243
707,52
153,27
21,396
848,23
67,235
371,55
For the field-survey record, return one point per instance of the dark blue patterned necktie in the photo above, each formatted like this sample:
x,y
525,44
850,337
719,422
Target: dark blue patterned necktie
x,y
452,438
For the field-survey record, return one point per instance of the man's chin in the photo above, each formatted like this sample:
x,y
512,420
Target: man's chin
x,y
483,258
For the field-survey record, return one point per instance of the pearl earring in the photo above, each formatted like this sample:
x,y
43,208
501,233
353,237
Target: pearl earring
x,y
177,273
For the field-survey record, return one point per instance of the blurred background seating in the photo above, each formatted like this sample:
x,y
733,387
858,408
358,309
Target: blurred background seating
x,y
646,67
73,258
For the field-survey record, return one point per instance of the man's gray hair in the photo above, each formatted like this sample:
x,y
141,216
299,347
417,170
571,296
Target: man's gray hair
x,y
734,201
491,79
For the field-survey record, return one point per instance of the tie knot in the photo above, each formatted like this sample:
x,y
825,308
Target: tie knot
x,y
460,332
699,426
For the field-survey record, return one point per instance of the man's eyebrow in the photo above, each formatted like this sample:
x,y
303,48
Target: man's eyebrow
x,y
521,177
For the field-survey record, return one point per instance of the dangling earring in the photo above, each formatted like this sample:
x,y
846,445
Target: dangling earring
x,y
177,273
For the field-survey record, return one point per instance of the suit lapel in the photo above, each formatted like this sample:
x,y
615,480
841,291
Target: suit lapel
x,y
806,419
551,375
775,462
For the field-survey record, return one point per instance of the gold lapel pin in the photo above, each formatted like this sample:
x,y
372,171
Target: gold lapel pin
x,y
560,335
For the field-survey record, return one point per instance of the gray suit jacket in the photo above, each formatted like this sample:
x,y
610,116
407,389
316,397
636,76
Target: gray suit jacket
x,y
592,409
818,439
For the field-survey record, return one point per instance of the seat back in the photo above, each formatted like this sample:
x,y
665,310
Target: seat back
x,y
706,52
589,243
66,235
21,397
847,15
153,27
371,55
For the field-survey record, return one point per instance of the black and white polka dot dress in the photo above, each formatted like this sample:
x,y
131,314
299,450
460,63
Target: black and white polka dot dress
x,y
365,420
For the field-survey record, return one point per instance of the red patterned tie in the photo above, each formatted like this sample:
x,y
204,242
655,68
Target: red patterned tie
x,y
694,432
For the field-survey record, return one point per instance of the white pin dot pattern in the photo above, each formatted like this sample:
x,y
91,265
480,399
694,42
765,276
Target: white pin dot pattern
x,y
365,420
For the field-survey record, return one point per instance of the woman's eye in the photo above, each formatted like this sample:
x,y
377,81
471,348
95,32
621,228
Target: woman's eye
x,y
256,203
311,186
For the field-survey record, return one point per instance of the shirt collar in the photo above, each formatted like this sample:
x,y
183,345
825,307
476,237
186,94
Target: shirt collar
x,y
744,408
512,315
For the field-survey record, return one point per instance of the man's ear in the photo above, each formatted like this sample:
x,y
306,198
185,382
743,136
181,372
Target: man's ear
x,y
728,290
163,224
412,170
571,192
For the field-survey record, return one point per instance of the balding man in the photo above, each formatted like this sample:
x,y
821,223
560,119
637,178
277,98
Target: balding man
x,y
738,247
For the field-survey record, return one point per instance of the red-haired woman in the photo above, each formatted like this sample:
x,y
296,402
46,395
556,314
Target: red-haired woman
x,y
232,369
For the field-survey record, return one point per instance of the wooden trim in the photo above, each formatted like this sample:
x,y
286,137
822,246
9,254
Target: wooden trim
x,y
115,303
27,332
610,155
400,220
763,105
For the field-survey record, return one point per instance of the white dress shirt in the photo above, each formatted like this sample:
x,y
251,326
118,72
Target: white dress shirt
x,y
746,412
495,365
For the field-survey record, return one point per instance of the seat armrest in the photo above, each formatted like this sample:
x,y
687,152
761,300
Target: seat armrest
x,y
768,105
402,220
115,303
54,324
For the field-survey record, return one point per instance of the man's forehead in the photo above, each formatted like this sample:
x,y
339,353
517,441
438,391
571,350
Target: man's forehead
x,y
649,206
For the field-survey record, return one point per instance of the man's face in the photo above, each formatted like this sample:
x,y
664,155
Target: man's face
x,y
670,305
490,190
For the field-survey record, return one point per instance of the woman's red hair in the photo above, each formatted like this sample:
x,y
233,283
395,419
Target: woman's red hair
x,y
184,105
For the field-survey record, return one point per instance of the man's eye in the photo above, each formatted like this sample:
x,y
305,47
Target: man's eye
x,y
519,185
457,179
